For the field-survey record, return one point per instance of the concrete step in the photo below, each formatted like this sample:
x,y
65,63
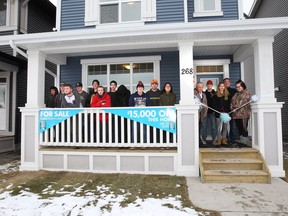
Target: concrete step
x,y
232,164
230,176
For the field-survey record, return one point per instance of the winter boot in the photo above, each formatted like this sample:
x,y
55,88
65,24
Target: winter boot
x,y
218,142
224,141
241,139
245,139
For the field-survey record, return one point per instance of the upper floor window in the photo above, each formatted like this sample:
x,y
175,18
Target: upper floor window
x,y
207,8
3,12
119,11
114,11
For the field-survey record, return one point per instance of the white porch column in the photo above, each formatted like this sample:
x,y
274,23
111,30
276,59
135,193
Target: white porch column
x,y
264,70
266,113
35,79
30,113
186,73
187,116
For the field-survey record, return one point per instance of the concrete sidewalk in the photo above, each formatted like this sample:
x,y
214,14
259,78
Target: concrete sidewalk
x,y
241,199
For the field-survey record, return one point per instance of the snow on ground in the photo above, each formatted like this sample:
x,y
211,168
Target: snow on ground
x,y
103,203
108,205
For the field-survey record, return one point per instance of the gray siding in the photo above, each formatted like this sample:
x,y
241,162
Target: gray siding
x,y
281,76
235,73
72,14
6,49
41,16
229,8
279,8
170,11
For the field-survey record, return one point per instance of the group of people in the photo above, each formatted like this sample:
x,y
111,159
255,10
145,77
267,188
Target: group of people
x,y
225,99
116,97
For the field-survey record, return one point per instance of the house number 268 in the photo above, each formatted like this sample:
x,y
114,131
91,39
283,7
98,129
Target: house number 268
x,y
186,71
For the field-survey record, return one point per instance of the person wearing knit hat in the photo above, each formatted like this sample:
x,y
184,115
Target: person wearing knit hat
x,y
209,82
210,120
139,99
154,93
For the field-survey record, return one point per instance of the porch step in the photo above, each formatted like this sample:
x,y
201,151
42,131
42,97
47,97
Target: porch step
x,y
233,165
241,176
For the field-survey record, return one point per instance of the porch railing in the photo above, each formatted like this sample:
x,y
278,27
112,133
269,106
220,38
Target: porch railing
x,y
93,127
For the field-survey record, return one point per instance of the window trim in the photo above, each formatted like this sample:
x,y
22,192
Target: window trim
x,y
224,62
139,59
201,13
8,14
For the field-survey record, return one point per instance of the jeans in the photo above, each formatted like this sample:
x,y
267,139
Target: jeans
x,y
221,132
210,120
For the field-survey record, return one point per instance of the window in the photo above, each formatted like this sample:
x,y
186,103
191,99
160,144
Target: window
x,y
115,11
3,12
207,8
210,69
126,71
119,11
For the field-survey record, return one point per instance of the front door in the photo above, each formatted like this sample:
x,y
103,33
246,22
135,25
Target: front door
x,y
3,104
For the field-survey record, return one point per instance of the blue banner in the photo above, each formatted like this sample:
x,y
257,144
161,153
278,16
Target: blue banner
x,y
162,118
50,118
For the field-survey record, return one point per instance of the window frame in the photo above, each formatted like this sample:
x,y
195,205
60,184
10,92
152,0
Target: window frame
x,y
8,9
212,62
119,2
198,12
108,61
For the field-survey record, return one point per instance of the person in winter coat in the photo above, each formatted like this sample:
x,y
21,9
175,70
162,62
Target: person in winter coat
x,y
123,95
102,99
167,98
139,99
221,103
70,100
199,93
51,100
210,120
154,93
241,115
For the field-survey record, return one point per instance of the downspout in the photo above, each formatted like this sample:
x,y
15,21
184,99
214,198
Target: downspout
x,y
15,48
25,3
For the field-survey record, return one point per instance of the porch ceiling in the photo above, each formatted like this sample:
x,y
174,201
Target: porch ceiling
x,y
210,38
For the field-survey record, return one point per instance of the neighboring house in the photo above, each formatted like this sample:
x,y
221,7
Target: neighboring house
x,y
170,40
266,8
19,17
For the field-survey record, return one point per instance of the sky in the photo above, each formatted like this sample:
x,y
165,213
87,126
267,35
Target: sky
x,y
246,5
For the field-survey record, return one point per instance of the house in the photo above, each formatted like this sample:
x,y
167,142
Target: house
x,y
18,17
176,41
262,9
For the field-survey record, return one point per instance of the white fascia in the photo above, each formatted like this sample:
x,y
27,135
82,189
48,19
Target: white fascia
x,y
276,24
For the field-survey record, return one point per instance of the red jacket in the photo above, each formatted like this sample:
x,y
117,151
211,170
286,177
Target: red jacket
x,y
104,101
